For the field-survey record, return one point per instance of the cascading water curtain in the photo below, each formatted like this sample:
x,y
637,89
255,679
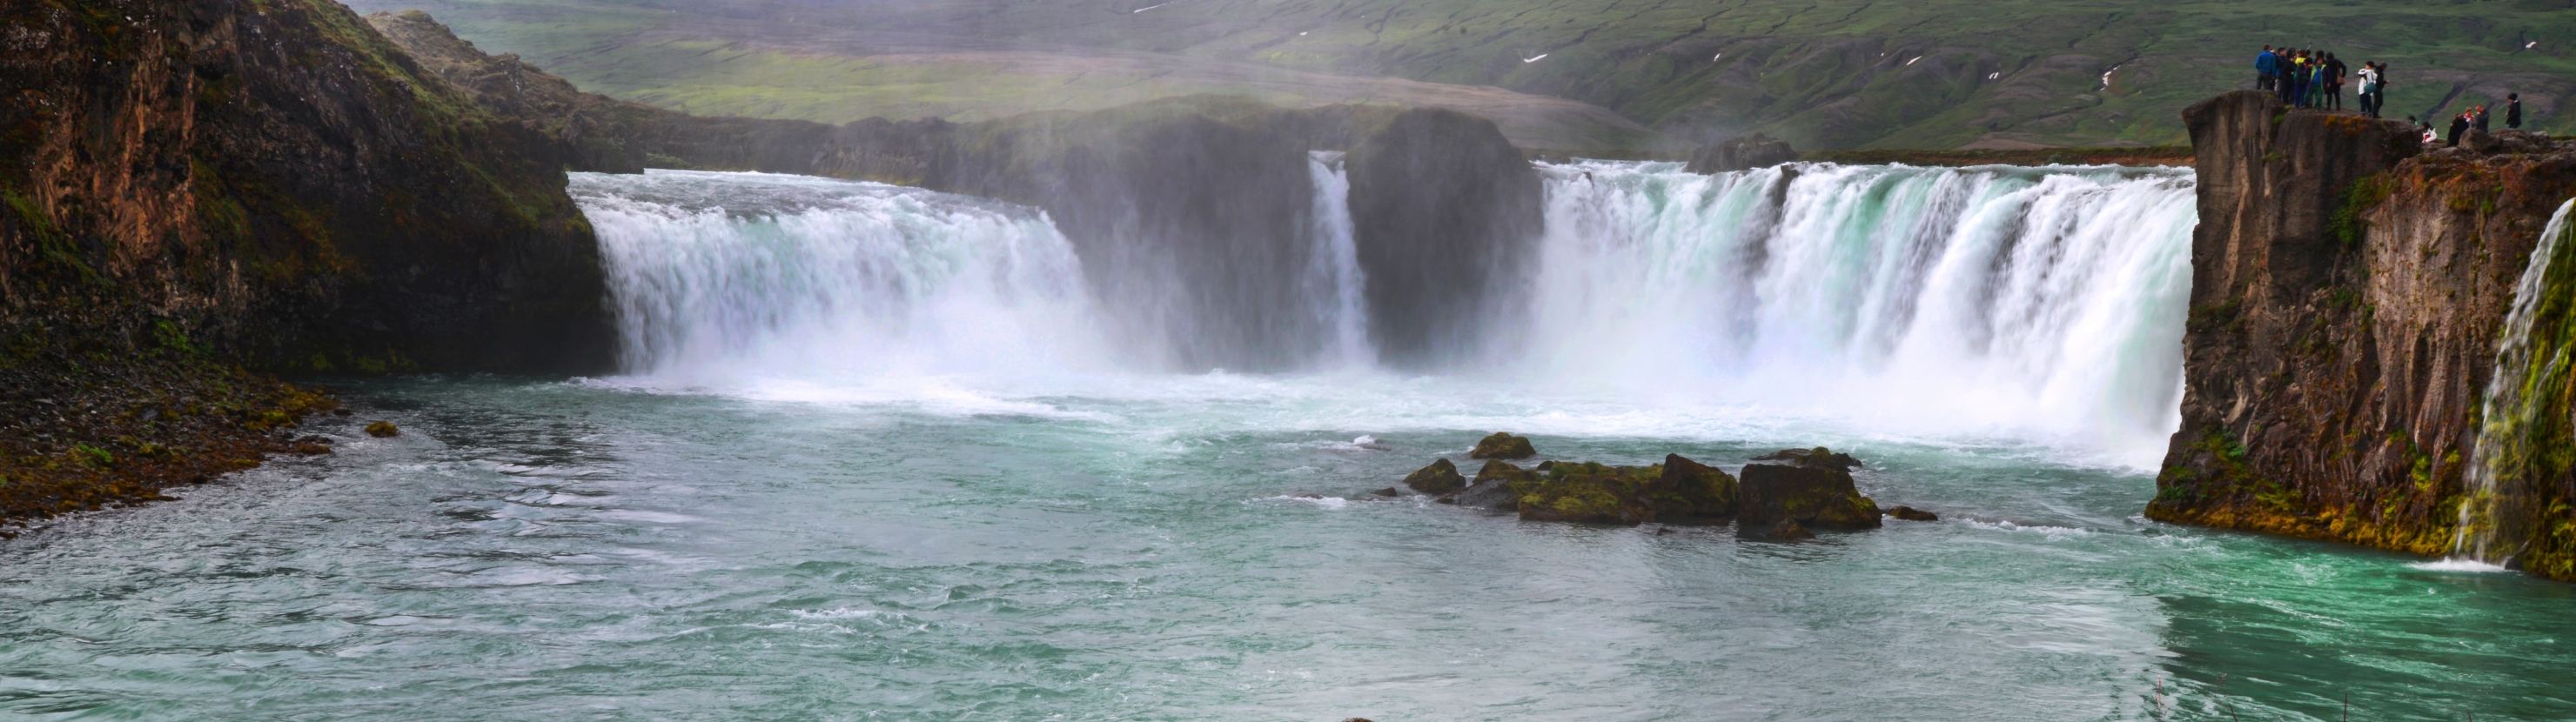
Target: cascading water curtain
x,y
726,275
2492,520
2022,300
1335,280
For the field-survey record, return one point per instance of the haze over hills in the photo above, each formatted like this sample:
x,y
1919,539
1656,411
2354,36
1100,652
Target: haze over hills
x,y
1824,75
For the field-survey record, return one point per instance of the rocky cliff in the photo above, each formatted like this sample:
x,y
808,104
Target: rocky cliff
x,y
189,185
2347,288
283,185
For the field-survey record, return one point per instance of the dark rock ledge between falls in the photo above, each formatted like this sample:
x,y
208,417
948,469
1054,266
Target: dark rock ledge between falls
x,y
1800,491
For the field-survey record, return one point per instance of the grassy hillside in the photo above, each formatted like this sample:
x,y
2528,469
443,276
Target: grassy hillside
x,y
1826,74
714,66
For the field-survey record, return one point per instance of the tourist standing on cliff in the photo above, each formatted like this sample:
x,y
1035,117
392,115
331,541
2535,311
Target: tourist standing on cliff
x,y
2513,110
2334,71
2288,76
2267,69
2307,73
2478,119
2459,124
2317,80
2369,96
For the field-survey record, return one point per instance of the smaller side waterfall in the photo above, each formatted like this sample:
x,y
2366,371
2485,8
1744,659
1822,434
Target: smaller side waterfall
x,y
2490,518
1334,277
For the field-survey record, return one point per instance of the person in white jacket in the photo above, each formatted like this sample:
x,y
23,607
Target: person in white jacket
x,y
2369,90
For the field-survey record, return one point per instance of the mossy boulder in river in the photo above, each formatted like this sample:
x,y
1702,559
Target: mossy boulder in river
x,y
1441,477
1687,492
1491,488
1815,497
1501,445
1678,491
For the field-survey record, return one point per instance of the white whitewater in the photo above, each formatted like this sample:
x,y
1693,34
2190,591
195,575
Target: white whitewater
x,y
722,277
2020,303
2043,302
1335,280
2496,460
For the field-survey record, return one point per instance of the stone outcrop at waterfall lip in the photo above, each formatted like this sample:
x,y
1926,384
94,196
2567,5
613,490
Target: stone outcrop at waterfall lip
x,y
2347,288
1503,445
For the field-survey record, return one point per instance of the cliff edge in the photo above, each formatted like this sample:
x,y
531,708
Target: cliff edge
x,y
189,187
2348,284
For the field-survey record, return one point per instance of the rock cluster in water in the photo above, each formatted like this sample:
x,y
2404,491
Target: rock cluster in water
x,y
1807,489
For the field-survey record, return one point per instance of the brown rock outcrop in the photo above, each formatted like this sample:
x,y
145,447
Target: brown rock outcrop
x,y
2347,287
1813,496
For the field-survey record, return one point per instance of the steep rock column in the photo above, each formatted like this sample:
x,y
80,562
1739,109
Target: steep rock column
x,y
2345,300
1446,216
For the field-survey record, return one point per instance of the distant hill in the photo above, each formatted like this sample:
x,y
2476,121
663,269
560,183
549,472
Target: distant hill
x,y
1829,74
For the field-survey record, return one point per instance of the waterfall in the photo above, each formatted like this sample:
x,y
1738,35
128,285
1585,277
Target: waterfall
x,y
2027,301
1334,279
2021,302
2501,456
718,276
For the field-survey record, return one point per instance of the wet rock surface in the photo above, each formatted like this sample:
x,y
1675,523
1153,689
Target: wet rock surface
x,y
1815,497
1819,457
1500,445
1441,477
85,434
1912,514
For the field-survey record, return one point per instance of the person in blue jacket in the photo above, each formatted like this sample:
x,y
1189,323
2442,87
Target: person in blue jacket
x,y
2267,69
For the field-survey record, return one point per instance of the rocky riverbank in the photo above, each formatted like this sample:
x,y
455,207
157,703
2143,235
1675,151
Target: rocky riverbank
x,y
2347,288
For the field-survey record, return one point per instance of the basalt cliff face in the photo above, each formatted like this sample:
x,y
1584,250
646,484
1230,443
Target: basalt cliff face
x,y
276,181
187,187
2348,285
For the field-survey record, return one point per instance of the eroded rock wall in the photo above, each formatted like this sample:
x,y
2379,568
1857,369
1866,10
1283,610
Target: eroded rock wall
x,y
1446,216
284,185
2348,286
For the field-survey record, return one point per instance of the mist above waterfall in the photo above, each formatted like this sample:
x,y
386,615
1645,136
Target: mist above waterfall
x,y
2009,301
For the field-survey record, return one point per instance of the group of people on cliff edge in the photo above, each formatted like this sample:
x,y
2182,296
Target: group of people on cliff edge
x,y
2307,78
2475,118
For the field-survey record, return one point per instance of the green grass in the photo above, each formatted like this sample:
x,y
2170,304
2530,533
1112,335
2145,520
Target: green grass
x,y
1831,74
